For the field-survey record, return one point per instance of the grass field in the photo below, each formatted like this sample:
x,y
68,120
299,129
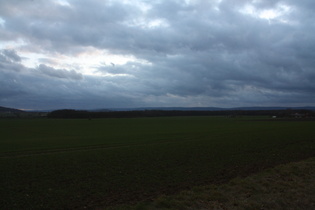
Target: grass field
x,y
287,186
79,164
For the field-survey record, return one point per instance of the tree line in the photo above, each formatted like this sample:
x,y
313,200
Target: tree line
x,y
81,114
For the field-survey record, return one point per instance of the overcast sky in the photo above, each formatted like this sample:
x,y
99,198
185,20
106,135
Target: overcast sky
x,y
138,53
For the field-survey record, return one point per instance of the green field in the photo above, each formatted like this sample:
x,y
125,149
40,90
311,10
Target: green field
x,y
78,164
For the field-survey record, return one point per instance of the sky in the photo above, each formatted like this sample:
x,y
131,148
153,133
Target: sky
x,y
78,54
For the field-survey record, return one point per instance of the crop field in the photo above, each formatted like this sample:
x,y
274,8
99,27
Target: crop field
x,y
88,164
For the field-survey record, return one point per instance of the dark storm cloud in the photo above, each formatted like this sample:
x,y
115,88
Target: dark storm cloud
x,y
9,87
37,91
59,73
10,61
199,53
11,55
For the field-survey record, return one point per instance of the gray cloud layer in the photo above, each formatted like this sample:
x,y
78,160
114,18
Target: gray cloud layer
x,y
201,53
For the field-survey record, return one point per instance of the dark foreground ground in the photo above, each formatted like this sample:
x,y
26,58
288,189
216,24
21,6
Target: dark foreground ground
x,y
91,164
288,186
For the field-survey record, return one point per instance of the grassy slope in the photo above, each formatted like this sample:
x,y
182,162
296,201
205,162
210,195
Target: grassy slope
x,y
79,163
289,186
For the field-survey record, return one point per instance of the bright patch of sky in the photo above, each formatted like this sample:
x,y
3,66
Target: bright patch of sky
x,y
145,24
216,7
2,22
63,3
84,62
12,44
143,5
276,13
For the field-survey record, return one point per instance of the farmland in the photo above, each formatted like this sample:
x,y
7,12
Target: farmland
x,y
80,163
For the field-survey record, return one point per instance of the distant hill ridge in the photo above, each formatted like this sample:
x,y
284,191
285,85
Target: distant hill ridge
x,y
6,109
254,108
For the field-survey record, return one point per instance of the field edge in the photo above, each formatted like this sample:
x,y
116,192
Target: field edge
x,y
284,186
